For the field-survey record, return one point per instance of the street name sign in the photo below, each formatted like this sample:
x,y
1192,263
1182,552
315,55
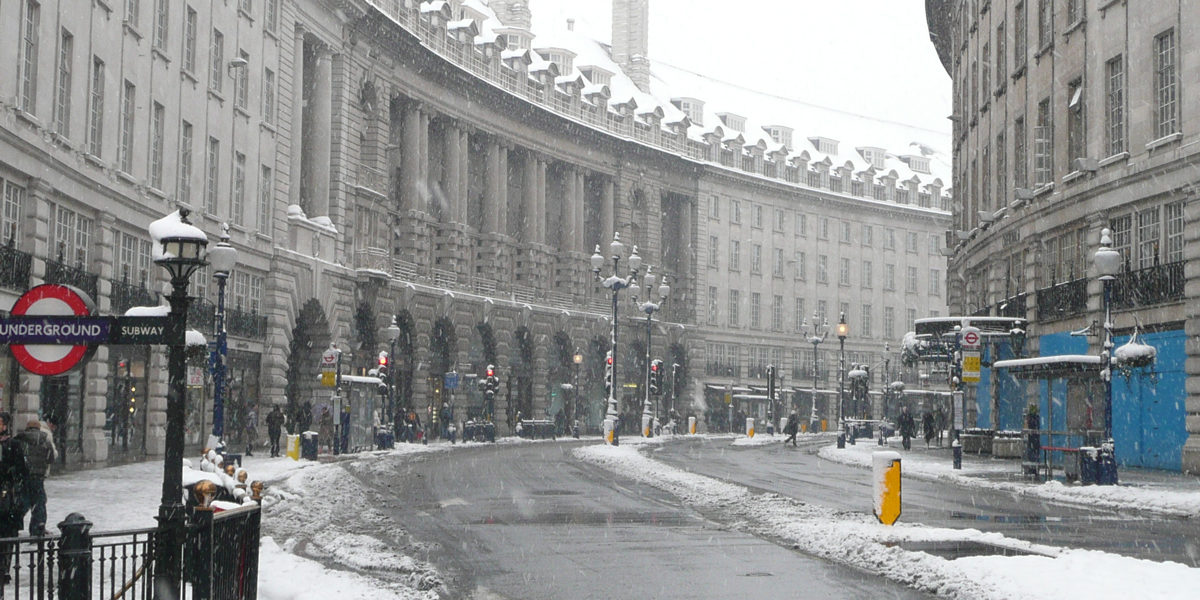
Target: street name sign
x,y
450,380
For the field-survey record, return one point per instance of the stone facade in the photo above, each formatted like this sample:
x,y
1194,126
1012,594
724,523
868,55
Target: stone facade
x,y
1066,124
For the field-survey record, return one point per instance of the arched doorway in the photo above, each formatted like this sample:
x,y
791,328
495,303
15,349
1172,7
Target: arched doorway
x,y
561,382
520,382
482,353
404,361
310,338
443,354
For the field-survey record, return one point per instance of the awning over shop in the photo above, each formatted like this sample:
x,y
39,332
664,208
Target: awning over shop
x,y
1052,367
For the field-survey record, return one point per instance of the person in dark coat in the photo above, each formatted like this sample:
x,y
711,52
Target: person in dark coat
x,y
14,476
790,428
40,453
929,427
908,428
275,421
939,421
304,419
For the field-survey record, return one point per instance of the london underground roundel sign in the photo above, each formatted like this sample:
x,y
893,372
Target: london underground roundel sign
x,y
52,300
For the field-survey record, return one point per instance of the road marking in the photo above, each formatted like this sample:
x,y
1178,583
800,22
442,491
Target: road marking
x,y
454,502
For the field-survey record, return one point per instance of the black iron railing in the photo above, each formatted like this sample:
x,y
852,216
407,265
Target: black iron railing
x,y
220,560
14,267
201,313
1062,300
126,295
985,311
60,272
1013,307
1151,285
722,370
245,324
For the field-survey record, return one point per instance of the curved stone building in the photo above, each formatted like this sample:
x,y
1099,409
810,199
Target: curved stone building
x,y
1071,117
438,163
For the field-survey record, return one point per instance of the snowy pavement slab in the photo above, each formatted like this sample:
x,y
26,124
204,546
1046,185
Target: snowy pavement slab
x,y
1179,497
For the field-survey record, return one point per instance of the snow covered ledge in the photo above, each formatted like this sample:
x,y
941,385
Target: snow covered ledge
x,y
315,237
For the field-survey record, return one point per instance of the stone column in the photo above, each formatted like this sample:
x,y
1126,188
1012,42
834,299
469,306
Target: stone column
x,y
423,159
296,177
502,154
411,158
529,227
566,241
608,214
95,399
453,175
580,212
491,198
541,201
464,171
321,138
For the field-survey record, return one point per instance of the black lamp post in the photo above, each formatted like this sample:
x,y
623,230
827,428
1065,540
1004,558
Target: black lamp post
x,y
577,359
222,257
843,330
615,283
649,308
393,333
178,248
1108,265
815,336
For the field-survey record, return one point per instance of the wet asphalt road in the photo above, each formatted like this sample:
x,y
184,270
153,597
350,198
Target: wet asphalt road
x,y
530,521
799,473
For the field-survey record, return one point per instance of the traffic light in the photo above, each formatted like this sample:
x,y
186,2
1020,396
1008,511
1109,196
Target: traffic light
x,y
490,382
656,377
382,368
771,381
608,374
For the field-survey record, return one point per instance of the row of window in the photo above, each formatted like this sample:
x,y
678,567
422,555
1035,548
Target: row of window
x,y
1163,100
845,228
801,320
727,359
128,113
799,262
73,234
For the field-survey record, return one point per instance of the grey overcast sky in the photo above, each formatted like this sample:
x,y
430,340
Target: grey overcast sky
x,y
871,57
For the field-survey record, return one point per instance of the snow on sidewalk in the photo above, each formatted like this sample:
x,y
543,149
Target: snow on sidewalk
x,y
858,540
1166,494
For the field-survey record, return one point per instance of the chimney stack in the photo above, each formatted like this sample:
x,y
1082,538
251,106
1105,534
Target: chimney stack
x,y
630,40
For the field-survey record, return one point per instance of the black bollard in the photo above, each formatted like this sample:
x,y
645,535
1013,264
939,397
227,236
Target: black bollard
x,y
75,557
957,454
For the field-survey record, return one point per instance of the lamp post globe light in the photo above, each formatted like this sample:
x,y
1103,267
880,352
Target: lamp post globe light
x,y
179,248
815,333
1108,265
616,283
649,308
222,257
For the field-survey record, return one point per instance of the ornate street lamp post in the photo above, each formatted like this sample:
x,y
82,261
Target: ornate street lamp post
x,y
842,331
178,248
615,283
222,257
815,335
1108,265
649,308
393,334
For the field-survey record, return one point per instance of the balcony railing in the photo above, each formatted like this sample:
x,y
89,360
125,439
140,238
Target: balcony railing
x,y
1062,300
126,295
372,258
58,272
14,267
245,324
200,315
1012,307
1152,285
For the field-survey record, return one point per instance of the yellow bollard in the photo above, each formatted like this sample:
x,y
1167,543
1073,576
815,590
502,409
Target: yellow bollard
x,y
692,425
824,425
749,427
886,485
293,447
608,431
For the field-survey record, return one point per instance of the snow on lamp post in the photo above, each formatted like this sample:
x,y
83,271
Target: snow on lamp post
x,y
179,248
815,335
222,257
1108,264
649,307
616,283
393,334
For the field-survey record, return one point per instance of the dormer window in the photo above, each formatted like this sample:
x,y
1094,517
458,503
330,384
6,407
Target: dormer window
x,y
919,164
693,108
597,75
565,60
825,145
732,121
516,40
875,156
780,134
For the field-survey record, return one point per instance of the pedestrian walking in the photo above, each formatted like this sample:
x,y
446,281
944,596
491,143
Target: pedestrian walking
x,y
275,421
325,428
928,426
908,428
14,478
251,429
40,453
790,428
305,418
939,421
